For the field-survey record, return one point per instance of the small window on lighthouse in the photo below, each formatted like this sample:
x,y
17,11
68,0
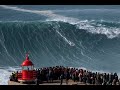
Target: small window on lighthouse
x,y
24,68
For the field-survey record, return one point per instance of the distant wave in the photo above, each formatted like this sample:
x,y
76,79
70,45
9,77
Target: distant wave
x,y
99,28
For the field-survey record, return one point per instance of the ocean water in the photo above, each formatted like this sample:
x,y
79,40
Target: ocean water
x,y
86,36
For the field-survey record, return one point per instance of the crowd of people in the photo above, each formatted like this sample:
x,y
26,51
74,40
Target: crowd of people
x,y
49,74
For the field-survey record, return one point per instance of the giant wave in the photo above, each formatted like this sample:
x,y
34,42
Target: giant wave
x,y
56,43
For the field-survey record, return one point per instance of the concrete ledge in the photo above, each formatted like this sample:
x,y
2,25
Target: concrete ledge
x,y
17,83
26,81
55,82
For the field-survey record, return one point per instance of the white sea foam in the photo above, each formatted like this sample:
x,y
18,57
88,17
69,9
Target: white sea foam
x,y
66,40
5,73
110,32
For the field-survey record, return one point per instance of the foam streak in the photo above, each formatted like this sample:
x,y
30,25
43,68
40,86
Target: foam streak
x,y
69,42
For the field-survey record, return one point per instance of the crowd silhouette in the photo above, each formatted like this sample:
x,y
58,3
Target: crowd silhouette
x,y
49,74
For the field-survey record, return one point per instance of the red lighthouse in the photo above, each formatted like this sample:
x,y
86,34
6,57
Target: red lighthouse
x,y
28,74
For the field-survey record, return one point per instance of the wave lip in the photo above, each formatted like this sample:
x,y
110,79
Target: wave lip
x,y
110,32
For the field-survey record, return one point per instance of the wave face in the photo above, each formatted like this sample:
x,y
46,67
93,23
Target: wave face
x,y
57,43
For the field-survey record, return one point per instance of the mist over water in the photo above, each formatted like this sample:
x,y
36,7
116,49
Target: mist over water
x,y
74,37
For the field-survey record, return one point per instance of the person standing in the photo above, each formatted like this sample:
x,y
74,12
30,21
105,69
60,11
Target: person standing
x,y
61,79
